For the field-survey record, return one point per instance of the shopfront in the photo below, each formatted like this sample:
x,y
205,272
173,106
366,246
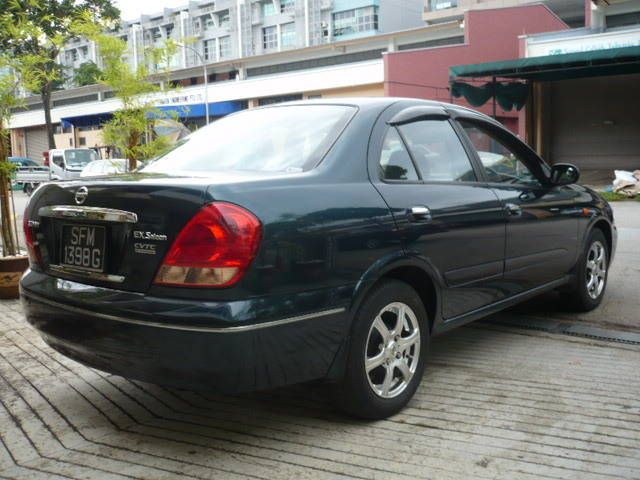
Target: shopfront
x,y
583,104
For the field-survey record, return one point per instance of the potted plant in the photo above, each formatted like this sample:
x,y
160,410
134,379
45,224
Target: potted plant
x,y
13,261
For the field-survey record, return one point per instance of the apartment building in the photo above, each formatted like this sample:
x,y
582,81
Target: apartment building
x,y
222,30
570,11
350,67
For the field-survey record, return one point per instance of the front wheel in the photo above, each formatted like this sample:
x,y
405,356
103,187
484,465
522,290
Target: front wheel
x,y
587,291
29,188
387,352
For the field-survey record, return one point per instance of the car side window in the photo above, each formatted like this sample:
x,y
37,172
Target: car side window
x,y
500,163
438,152
395,162
58,160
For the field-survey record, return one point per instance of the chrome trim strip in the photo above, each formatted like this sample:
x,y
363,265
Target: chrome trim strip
x,y
105,277
88,213
238,329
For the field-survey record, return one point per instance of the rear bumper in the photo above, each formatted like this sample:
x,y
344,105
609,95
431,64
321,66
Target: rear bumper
x,y
180,343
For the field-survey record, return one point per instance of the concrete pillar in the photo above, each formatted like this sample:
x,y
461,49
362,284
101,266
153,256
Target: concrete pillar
x,y
239,25
307,33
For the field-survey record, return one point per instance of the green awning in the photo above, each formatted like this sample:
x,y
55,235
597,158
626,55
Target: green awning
x,y
508,95
614,61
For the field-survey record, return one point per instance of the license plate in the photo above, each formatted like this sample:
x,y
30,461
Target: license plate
x,y
83,247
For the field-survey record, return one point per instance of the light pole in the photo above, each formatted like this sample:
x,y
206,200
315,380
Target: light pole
x,y
206,77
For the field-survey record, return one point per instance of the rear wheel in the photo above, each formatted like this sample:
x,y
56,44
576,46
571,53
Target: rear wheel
x,y
387,352
591,274
28,189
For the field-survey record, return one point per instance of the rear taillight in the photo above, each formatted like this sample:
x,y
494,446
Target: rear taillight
x,y
45,157
33,249
214,249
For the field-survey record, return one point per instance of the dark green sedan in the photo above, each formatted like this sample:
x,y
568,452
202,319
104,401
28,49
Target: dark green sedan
x,y
309,240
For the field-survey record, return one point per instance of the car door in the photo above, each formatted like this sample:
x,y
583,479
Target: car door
x,y
444,215
57,165
542,219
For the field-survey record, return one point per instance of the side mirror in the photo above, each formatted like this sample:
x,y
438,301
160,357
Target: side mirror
x,y
564,174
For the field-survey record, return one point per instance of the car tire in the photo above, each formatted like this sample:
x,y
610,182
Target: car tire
x,y
376,392
28,189
592,270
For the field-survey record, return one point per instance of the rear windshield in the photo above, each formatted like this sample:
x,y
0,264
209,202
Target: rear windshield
x,y
289,138
79,158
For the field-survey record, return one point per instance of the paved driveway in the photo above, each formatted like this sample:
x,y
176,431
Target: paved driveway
x,y
514,398
496,402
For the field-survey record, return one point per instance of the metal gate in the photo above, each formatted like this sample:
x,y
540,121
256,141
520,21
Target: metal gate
x,y
36,142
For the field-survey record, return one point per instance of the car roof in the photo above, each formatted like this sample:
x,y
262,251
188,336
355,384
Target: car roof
x,y
384,102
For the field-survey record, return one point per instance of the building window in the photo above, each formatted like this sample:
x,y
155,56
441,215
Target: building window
x,y
208,21
442,4
72,55
224,47
355,21
223,18
288,34
270,38
623,19
82,141
155,34
278,99
209,50
287,6
268,8
84,51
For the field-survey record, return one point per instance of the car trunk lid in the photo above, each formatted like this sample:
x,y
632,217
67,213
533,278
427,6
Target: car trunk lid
x,y
113,232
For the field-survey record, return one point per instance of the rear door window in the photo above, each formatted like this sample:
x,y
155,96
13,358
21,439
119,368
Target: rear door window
x,y
395,163
437,151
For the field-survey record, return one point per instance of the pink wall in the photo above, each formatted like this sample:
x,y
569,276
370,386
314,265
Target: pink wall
x,y
490,35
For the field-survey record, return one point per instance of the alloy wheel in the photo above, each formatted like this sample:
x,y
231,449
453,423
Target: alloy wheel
x,y
596,269
393,350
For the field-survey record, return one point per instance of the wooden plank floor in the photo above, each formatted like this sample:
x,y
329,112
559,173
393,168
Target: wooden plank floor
x,y
496,402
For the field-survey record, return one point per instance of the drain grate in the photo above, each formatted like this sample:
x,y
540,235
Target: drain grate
x,y
572,329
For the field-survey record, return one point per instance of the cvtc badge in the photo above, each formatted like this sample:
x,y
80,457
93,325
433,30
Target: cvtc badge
x,y
81,195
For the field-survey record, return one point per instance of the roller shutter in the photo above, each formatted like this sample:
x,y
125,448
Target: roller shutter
x,y
595,122
36,142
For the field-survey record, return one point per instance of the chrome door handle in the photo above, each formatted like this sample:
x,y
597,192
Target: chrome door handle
x,y
420,213
513,210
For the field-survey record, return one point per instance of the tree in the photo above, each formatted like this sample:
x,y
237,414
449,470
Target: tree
x,y
130,128
9,100
87,74
36,31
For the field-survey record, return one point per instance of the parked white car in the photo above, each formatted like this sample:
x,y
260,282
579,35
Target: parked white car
x,y
100,168
68,163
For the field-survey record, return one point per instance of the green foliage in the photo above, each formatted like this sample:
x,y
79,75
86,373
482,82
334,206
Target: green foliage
x,y
87,74
7,168
9,99
130,129
616,197
33,32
